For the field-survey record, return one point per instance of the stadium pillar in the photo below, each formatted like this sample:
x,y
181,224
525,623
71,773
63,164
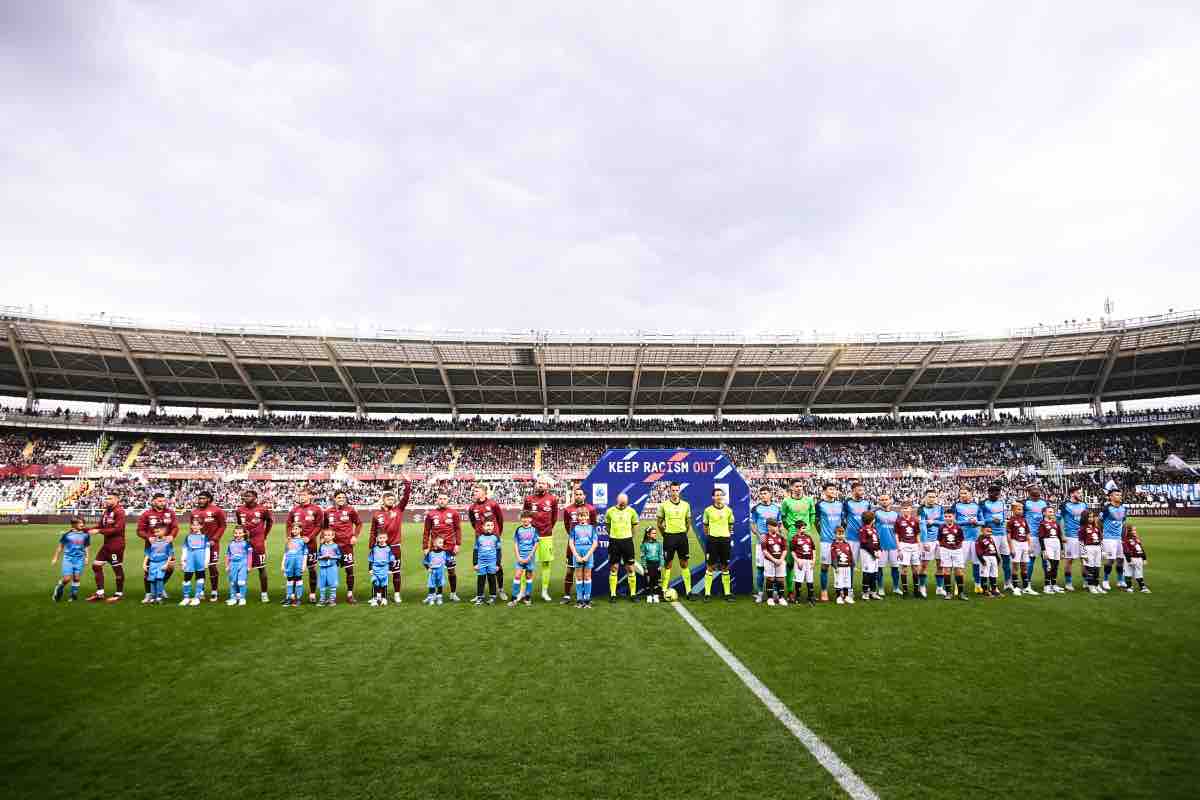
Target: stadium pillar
x,y
30,401
991,411
153,405
1097,406
717,416
895,413
262,410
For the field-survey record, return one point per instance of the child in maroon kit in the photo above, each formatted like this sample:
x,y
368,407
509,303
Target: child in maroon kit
x,y
868,557
774,550
950,560
1135,558
1090,537
802,562
1050,537
841,555
987,553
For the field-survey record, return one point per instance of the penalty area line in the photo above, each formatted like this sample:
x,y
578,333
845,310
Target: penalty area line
x,y
833,764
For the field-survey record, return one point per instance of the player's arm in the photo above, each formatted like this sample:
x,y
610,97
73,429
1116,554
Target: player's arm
x,y
554,512
143,527
403,504
457,523
357,524
269,520
571,545
427,535
58,552
499,512
173,531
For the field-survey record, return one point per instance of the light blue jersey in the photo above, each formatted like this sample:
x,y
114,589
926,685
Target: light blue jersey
x,y
995,514
195,551
1072,518
487,550
1113,520
74,544
966,516
583,537
238,552
885,526
380,560
435,562
159,551
1035,510
329,556
761,514
295,552
829,517
526,541
852,516
931,519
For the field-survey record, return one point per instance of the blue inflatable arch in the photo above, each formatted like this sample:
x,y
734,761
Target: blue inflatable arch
x,y
635,472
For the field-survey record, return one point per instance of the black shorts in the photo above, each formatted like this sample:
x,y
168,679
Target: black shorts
x,y
348,559
719,548
620,551
675,544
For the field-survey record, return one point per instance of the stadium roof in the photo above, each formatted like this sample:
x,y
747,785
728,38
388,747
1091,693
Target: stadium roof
x,y
295,369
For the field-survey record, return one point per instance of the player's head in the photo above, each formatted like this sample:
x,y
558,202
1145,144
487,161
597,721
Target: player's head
x,y
994,492
718,497
986,530
1076,494
1016,509
111,500
857,490
326,535
885,501
839,533
249,497
1050,514
489,526
305,495
203,499
437,543
906,509
1088,518
829,489
797,488
339,498
772,526
77,523
1035,492
674,488
297,530
868,518
964,494
389,499
578,496
240,533
651,533
159,501
1115,496
622,500
381,539
764,495
1128,530
480,492
542,486
930,497
801,526
526,518
443,500
160,532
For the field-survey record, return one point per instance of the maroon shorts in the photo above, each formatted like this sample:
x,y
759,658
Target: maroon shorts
x,y
258,557
214,558
347,555
112,552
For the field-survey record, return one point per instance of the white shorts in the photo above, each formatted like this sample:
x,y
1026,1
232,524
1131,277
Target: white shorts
x,y
1052,548
969,553
825,553
1020,551
1091,555
909,554
854,546
1072,549
802,571
950,558
1134,568
1112,550
987,566
868,562
889,558
843,579
773,570
929,551
1001,543
759,561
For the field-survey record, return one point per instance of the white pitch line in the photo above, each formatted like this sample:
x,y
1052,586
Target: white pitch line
x,y
846,777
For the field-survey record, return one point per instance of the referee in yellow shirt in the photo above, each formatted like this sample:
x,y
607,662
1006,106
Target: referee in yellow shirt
x,y
620,520
718,525
675,521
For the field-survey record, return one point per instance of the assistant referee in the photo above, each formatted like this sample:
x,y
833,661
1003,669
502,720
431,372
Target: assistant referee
x,y
675,521
620,520
718,527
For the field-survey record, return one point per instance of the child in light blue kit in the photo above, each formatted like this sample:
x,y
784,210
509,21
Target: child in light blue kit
x,y
486,557
379,559
195,562
295,557
435,562
73,546
329,557
160,555
237,566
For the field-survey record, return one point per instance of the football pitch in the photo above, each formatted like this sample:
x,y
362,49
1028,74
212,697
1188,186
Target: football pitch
x,y
1065,696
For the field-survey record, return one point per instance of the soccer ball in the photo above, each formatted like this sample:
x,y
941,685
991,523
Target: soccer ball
x,y
671,595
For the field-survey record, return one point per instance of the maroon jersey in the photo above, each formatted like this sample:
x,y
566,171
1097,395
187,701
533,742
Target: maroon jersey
x,y
1132,545
446,523
210,521
802,547
152,518
345,523
389,522
908,530
545,512
1049,529
1089,534
311,518
256,521
986,546
488,510
578,515
112,525
774,545
950,536
1018,529
868,539
841,554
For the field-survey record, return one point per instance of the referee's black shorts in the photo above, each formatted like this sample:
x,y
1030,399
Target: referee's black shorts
x,y
675,544
719,548
620,551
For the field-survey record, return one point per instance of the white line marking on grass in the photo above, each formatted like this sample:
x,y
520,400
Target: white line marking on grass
x,y
846,777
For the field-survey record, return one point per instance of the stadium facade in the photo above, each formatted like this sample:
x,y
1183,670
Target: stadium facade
x,y
271,368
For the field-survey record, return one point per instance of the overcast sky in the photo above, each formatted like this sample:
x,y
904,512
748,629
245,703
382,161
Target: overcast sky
x,y
695,166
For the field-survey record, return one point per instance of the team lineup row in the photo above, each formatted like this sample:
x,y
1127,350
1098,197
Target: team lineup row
x,y
994,535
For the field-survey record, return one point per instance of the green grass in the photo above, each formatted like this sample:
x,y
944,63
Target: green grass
x,y
1068,696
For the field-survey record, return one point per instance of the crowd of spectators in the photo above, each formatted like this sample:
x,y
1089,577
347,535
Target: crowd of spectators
x,y
301,455
222,455
939,453
429,457
491,456
571,457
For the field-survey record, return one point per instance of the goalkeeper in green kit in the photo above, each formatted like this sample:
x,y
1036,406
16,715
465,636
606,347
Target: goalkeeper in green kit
x,y
796,507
